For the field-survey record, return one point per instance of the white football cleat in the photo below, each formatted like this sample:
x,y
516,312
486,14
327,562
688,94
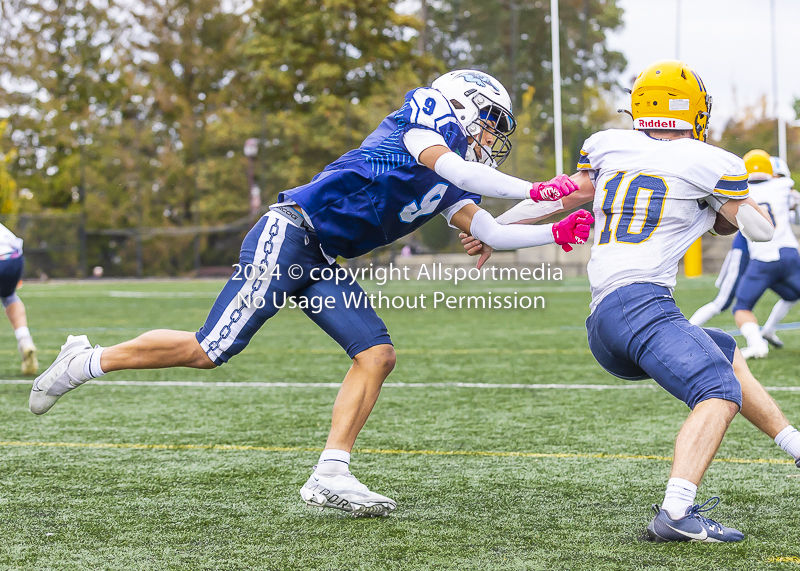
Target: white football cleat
x,y
755,351
60,378
772,339
27,351
344,492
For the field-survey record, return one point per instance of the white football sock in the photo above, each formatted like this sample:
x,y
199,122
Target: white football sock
x,y
91,366
752,334
789,440
679,497
333,462
779,311
703,314
22,332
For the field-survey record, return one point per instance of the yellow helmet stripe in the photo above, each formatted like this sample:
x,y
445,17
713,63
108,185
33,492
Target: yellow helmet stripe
x,y
699,81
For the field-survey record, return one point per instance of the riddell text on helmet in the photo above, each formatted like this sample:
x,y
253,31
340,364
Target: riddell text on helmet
x,y
656,124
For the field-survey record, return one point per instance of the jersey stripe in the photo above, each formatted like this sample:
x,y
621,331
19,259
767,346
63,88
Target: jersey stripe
x,y
732,183
583,161
733,186
737,178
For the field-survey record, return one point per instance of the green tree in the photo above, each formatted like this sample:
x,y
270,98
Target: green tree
x,y
301,50
512,41
9,202
754,129
323,73
63,61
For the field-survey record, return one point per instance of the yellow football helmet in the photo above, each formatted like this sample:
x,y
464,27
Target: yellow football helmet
x,y
669,95
758,165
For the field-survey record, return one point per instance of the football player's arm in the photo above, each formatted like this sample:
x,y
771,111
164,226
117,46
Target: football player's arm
x,y
794,206
750,218
482,226
486,181
479,223
529,212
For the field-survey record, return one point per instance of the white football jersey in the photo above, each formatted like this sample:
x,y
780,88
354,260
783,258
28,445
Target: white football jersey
x,y
651,203
777,198
9,243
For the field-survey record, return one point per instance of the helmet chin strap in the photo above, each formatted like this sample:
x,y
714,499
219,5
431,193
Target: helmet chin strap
x,y
486,155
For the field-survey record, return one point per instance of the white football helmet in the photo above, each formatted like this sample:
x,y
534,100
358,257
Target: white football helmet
x,y
481,103
779,167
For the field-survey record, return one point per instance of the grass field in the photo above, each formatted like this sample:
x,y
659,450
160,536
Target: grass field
x,y
207,477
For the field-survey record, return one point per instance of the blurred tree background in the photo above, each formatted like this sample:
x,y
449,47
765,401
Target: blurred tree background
x,y
123,122
755,128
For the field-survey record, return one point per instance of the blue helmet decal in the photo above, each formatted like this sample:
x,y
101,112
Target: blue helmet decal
x,y
480,79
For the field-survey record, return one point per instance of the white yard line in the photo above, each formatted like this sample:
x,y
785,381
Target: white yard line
x,y
270,385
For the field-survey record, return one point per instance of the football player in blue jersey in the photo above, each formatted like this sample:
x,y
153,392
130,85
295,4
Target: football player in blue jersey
x,y
436,155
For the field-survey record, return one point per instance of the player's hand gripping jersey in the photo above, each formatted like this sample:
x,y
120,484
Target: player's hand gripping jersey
x,y
777,198
378,193
651,203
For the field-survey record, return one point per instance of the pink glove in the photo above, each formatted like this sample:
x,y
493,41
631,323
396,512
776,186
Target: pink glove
x,y
574,229
554,189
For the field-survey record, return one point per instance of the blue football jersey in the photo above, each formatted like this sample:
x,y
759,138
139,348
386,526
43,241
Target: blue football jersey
x,y
375,194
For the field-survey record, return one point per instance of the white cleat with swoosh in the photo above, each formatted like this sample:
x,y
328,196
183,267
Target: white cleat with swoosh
x,y
65,374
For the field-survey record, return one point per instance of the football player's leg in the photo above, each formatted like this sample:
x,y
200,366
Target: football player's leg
x,y
789,290
638,332
686,361
727,281
363,335
758,277
702,376
697,369
763,412
233,326
10,274
779,311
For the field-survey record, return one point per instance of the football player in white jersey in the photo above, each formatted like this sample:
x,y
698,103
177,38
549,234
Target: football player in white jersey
x,y
656,189
733,268
773,265
12,262
781,308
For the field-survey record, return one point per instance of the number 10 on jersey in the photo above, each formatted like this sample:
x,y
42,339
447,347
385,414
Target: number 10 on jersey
x,y
656,189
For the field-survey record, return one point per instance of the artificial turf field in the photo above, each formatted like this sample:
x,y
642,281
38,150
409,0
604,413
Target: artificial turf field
x,y
207,477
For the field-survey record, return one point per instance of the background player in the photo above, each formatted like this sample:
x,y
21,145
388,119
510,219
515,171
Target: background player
x,y
656,190
781,308
732,270
12,263
435,155
773,265
730,274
